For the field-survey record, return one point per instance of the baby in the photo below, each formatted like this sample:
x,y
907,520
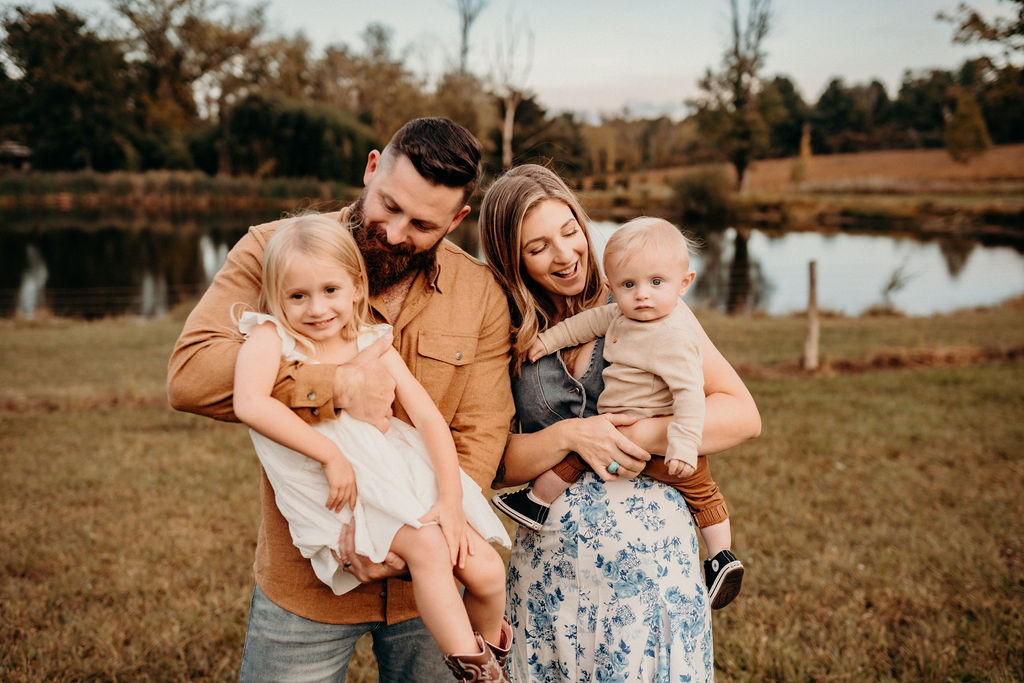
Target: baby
x,y
653,349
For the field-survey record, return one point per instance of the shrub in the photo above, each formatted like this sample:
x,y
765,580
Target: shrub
x,y
705,193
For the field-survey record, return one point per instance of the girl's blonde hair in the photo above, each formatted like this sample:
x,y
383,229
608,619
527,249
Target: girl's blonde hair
x,y
320,237
505,206
646,234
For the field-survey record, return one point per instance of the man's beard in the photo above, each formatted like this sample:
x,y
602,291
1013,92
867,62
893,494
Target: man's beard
x,y
386,265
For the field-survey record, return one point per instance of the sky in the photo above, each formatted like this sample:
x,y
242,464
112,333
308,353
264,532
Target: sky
x,y
604,56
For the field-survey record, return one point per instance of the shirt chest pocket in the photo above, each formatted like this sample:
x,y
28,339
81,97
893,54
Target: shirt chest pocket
x,y
442,362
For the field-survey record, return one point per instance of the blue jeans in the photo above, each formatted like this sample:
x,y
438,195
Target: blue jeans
x,y
281,646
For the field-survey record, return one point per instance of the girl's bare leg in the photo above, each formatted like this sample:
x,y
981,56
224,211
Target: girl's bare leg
x,y
484,597
433,586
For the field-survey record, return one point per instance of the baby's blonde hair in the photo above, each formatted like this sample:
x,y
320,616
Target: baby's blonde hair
x,y
645,234
321,237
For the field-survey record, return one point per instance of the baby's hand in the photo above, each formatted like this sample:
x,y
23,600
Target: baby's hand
x,y
679,468
341,479
536,351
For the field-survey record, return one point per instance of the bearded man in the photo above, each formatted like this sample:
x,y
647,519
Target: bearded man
x,y
451,327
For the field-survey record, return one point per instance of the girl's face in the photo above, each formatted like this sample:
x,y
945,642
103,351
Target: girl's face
x,y
554,249
318,296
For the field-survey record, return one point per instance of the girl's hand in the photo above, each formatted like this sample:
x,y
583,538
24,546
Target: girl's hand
x,y
599,443
341,479
452,520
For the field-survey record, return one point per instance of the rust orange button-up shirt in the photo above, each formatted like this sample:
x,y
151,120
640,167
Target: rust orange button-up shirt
x,y
452,332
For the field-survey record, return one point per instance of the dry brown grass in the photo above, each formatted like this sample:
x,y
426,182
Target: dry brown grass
x,y
879,514
1005,162
1001,163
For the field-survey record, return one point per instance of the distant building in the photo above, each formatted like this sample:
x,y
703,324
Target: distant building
x,y
15,155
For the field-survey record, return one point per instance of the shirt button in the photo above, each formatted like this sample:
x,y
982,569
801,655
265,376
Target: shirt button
x,y
382,595
311,395
615,340
458,356
315,411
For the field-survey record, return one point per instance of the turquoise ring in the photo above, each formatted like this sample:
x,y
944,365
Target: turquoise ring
x,y
613,467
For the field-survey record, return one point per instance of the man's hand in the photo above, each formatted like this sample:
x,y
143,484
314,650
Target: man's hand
x,y
360,566
364,388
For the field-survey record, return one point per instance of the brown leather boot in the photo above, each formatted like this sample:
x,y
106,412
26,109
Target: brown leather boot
x,y
504,643
480,666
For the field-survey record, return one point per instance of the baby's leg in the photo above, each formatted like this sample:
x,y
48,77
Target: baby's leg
x,y
717,537
437,598
484,579
549,486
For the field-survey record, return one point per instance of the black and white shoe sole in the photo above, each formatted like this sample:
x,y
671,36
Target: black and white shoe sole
x,y
727,585
519,518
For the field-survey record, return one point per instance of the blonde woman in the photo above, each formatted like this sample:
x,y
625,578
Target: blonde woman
x,y
610,587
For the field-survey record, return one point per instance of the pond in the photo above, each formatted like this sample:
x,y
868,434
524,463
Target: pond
x,y
91,270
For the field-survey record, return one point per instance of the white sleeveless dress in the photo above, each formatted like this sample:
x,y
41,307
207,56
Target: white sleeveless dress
x,y
395,480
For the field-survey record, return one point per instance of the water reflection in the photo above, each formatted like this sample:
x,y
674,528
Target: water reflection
x,y
107,271
33,280
212,256
748,270
92,272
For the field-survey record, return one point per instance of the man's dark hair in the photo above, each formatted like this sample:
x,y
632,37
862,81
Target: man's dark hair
x,y
441,151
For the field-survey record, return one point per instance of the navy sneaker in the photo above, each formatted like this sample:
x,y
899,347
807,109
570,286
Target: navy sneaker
x,y
723,575
523,507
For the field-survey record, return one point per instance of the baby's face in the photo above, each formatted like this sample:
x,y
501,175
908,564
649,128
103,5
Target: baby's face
x,y
648,286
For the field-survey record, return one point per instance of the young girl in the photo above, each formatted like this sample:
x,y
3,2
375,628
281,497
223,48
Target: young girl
x,y
402,490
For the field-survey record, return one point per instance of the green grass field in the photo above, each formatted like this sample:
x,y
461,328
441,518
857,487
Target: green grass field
x,y
880,515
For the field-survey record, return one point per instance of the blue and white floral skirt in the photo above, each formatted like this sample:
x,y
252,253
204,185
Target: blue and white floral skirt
x,y
611,589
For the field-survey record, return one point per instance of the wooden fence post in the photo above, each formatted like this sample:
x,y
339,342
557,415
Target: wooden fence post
x,y
810,360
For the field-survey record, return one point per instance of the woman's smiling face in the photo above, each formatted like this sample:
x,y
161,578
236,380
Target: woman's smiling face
x,y
553,249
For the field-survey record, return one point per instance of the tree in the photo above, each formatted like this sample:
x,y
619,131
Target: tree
x,y
277,136
729,110
181,42
921,107
1000,100
461,97
387,93
72,94
787,125
511,71
541,139
469,11
971,27
966,134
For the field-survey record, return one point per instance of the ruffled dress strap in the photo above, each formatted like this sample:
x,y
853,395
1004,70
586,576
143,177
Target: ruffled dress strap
x,y
371,333
252,319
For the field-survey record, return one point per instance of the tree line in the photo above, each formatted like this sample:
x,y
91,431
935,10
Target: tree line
x,y
205,85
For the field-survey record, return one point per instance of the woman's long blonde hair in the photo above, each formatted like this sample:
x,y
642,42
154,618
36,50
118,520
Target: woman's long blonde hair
x,y
506,204
321,237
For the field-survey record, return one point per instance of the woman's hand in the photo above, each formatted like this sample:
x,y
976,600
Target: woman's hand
x,y
598,441
341,479
450,516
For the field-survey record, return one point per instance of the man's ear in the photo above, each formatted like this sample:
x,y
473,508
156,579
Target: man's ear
x,y
458,218
372,164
